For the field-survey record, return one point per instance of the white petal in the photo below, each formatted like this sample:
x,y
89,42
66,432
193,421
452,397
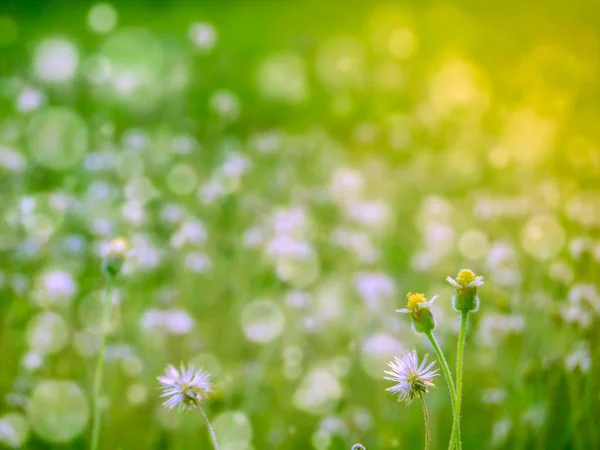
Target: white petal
x,y
171,372
428,368
403,311
477,282
427,305
453,282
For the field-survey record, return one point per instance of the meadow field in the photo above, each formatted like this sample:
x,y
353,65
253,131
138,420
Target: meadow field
x,y
253,187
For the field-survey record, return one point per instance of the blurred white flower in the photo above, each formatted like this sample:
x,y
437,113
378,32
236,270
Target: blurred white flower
x,y
319,391
178,321
32,361
346,185
173,321
191,232
283,77
374,288
8,434
253,237
225,104
289,221
30,99
371,214
358,243
144,254
438,239
576,315
11,159
493,396
298,299
283,246
211,191
203,35
55,287
134,212
495,326
535,416
580,245
266,142
171,213
561,271
198,262
186,388
333,425
423,261
500,431
585,295
580,358
55,60
235,164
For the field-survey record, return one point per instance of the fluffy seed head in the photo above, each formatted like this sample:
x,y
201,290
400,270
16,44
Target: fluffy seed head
x,y
413,379
185,388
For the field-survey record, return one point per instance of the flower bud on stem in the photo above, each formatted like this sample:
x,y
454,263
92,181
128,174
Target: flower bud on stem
x,y
465,300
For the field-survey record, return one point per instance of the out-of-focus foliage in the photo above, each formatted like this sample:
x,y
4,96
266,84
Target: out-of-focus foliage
x,y
285,172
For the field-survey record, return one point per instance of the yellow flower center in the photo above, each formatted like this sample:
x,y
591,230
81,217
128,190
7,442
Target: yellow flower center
x,y
414,300
465,277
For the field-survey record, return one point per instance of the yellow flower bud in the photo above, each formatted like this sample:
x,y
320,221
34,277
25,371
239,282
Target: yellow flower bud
x,y
466,283
418,307
115,256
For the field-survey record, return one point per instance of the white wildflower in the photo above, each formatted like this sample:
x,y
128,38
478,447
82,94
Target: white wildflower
x,y
185,388
413,379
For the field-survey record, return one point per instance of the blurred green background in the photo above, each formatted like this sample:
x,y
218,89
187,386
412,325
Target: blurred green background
x,y
285,172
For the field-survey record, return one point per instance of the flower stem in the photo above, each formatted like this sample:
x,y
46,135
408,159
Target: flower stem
x,y
213,436
426,417
106,304
459,374
449,381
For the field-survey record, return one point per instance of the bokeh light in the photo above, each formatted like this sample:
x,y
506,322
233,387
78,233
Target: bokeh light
x,y
102,18
58,410
56,60
57,138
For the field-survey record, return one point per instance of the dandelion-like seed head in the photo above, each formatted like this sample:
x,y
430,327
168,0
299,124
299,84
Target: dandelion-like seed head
x,y
413,379
185,388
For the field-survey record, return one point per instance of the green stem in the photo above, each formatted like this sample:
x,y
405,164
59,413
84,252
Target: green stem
x,y
426,417
106,304
575,405
213,436
448,376
459,374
